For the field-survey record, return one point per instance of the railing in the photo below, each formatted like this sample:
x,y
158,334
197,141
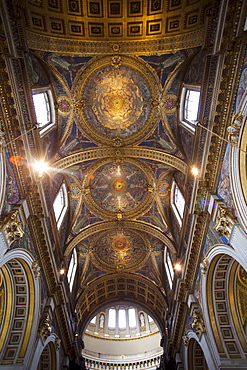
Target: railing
x,y
97,364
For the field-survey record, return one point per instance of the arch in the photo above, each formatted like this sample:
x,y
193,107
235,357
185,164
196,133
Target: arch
x,y
205,347
106,225
47,358
48,349
129,287
196,358
224,329
136,152
238,162
20,292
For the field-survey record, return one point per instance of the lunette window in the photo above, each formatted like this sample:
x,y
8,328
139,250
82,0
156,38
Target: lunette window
x,y
44,109
60,205
178,203
72,269
168,267
190,106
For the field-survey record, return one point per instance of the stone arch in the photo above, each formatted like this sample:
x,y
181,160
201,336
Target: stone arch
x,y
196,358
19,301
225,331
238,161
47,359
46,354
114,288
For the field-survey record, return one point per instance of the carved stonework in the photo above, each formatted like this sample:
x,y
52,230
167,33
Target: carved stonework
x,y
234,129
204,266
45,327
224,221
198,324
57,343
12,227
186,339
36,269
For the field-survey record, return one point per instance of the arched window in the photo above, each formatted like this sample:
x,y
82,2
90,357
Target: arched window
x,y
44,109
72,269
189,108
122,318
112,318
168,267
178,203
132,318
60,205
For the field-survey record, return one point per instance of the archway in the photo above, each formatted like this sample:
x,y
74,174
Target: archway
x,y
47,359
222,305
19,300
196,359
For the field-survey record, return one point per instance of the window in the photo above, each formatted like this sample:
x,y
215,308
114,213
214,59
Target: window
x,y
112,318
60,205
72,269
121,319
132,318
44,109
168,267
178,203
93,321
190,106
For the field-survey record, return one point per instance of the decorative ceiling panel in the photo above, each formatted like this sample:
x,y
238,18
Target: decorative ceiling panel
x,y
113,21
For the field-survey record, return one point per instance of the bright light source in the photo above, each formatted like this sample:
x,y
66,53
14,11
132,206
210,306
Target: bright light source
x,y
194,171
40,167
178,267
61,271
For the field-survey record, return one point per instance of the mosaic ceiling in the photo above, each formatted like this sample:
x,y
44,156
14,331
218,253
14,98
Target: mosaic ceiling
x,y
120,250
116,145
116,99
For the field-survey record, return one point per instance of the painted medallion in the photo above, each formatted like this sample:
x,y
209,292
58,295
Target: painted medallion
x,y
119,187
120,249
116,97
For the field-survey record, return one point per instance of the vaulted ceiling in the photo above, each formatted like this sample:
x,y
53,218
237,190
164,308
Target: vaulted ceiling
x,y
116,70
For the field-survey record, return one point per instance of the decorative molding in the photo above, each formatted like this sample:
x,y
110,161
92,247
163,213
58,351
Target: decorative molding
x,y
134,152
224,221
198,323
45,327
12,227
204,266
36,269
75,47
126,224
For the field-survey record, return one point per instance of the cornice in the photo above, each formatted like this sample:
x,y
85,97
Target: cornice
x,y
76,47
218,114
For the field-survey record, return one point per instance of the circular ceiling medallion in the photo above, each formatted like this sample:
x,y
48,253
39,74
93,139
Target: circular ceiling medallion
x,y
119,187
117,95
64,105
120,249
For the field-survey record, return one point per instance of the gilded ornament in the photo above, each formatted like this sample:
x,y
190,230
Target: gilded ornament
x,y
204,266
45,327
224,221
57,343
36,269
64,105
198,324
12,227
186,339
